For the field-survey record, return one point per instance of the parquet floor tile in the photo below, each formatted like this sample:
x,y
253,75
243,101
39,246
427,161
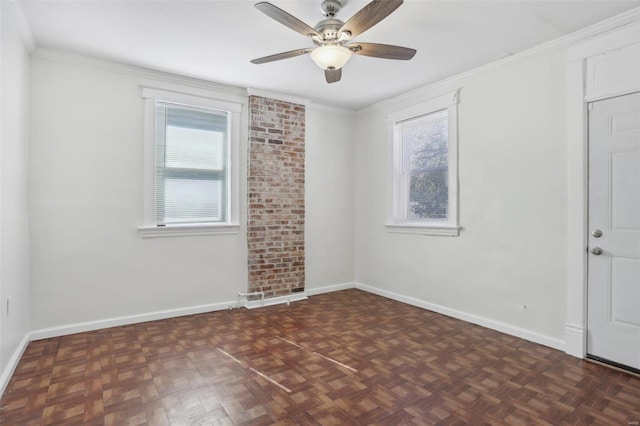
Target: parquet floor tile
x,y
345,358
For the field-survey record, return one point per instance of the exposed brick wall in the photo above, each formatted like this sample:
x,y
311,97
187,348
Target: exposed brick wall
x,y
276,196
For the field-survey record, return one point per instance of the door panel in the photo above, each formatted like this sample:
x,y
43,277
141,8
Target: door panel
x,y
614,209
625,291
625,207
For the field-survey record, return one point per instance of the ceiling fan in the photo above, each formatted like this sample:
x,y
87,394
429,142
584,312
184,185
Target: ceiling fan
x,y
332,37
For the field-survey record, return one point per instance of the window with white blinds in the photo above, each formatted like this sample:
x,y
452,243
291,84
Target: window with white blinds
x,y
191,184
191,164
424,168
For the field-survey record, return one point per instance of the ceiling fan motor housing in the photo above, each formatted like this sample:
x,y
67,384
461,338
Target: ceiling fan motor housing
x,y
330,8
329,29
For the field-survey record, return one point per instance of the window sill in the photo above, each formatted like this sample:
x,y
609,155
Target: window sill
x,y
153,231
413,228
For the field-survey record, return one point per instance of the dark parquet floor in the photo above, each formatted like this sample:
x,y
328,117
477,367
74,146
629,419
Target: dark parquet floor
x,y
348,358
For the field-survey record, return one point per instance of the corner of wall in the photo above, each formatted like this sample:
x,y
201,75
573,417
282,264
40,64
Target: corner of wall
x,y
6,374
23,25
15,48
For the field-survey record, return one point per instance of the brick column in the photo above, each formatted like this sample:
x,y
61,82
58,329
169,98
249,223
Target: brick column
x,y
276,196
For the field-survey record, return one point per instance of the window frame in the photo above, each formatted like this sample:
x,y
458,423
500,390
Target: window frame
x,y
215,101
398,185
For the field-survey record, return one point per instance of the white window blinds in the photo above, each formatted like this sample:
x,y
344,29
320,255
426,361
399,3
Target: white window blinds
x,y
191,164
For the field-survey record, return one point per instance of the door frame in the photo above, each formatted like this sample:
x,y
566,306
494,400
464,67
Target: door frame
x,y
581,90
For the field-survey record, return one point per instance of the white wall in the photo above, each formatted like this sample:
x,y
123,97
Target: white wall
x,y
513,208
14,232
88,262
329,197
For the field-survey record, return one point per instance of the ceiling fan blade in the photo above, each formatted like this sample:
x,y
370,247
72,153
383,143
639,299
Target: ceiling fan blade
x,y
370,15
286,19
333,76
280,56
385,51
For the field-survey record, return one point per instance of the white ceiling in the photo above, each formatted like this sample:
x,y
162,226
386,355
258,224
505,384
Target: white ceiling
x,y
215,40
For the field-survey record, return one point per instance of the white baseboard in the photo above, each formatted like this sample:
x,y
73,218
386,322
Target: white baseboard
x,y
330,288
64,330
573,344
575,340
13,363
47,333
474,319
279,300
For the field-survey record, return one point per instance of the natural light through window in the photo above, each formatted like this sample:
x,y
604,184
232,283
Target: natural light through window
x,y
426,162
187,147
424,168
191,157
191,164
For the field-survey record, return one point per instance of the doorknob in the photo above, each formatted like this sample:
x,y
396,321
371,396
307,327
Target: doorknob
x,y
597,251
596,233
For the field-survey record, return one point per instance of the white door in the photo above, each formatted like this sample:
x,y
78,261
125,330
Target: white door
x,y
614,230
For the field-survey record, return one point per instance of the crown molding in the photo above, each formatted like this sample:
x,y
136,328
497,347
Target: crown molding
x,y
332,109
147,73
252,91
24,28
136,71
617,22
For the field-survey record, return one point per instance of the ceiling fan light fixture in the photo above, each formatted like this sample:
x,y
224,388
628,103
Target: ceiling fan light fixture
x,y
331,56
332,36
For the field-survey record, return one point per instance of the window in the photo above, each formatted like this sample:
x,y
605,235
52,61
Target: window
x,y
424,168
190,154
191,164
